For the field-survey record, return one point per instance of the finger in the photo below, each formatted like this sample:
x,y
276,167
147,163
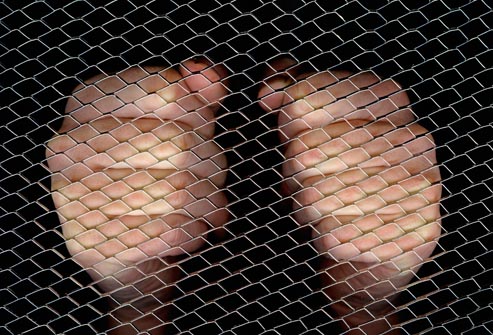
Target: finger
x,y
140,91
316,105
279,74
344,148
340,241
355,187
208,80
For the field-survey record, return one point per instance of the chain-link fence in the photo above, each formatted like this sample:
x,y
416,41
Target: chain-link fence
x,y
246,167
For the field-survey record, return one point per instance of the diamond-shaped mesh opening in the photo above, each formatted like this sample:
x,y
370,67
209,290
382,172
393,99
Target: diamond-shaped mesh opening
x,y
232,167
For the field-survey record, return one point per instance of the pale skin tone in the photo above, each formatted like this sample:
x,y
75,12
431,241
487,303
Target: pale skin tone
x,y
362,173
136,176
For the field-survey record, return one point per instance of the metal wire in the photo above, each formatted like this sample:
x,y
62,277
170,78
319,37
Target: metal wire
x,y
232,167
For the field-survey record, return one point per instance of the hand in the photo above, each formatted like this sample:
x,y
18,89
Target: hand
x,y
136,175
363,174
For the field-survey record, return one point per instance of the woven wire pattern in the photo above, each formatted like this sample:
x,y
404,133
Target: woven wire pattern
x,y
252,255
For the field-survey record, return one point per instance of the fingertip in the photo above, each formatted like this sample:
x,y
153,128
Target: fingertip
x,y
205,78
277,76
209,70
194,64
283,63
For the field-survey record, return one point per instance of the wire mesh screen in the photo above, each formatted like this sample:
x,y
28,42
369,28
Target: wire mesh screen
x,y
246,167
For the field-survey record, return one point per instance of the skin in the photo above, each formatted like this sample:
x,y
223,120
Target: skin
x,y
137,179
362,173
